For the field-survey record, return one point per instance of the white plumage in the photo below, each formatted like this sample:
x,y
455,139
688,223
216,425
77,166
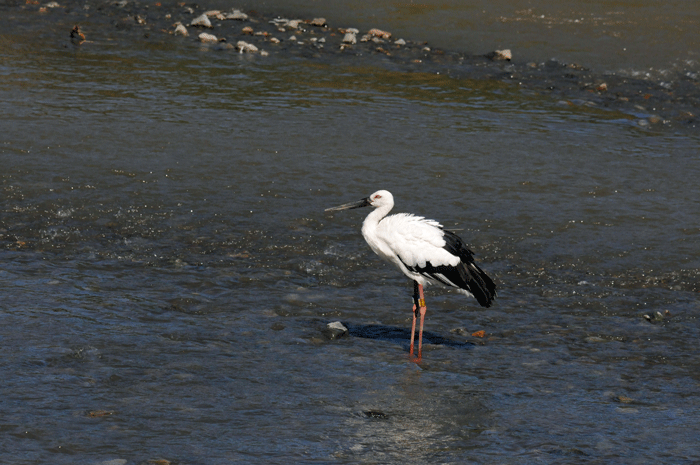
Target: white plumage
x,y
423,251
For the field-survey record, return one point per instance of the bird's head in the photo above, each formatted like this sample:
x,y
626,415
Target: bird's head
x,y
378,199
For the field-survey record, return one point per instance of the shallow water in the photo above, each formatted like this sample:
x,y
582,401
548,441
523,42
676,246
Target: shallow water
x,y
168,268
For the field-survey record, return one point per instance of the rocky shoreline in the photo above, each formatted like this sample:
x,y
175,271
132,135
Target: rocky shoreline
x,y
656,105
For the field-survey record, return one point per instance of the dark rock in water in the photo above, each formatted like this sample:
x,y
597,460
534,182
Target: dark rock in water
x,y
335,330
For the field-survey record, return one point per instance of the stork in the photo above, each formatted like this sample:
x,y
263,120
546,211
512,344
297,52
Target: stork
x,y
423,251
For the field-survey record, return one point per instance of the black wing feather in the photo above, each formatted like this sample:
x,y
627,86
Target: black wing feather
x,y
466,275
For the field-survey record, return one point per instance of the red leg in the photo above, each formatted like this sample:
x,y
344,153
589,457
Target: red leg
x,y
422,310
413,330
418,307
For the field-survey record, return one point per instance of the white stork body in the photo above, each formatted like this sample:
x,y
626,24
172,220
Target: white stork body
x,y
423,251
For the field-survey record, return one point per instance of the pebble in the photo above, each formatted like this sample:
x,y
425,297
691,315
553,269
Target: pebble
x,y
275,40
318,22
208,38
379,33
211,13
52,5
181,30
400,42
245,47
294,23
247,30
335,330
349,38
201,21
236,14
500,55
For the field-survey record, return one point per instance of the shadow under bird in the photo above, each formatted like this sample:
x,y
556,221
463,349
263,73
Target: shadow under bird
x,y
423,251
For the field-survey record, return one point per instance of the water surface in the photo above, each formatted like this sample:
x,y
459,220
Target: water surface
x,y
168,268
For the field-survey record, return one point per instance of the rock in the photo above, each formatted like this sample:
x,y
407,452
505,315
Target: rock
x,y
274,40
247,30
201,21
602,87
52,5
500,55
379,33
350,30
236,14
335,330
211,13
293,38
208,38
77,35
349,38
245,47
400,42
294,23
181,30
318,22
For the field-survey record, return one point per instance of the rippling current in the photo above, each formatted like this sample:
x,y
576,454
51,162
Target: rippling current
x,y
168,269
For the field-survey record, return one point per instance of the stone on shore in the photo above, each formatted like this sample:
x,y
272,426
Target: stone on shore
x,y
244,47
379,33
498,55
181,30
201,21
350,38
207,38
236,14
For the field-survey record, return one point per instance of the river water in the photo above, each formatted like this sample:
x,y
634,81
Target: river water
x,y
168,269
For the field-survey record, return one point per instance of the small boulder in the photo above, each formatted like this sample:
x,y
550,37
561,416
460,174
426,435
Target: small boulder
x,y
236,14
208,38
500,55
335,330
349,38
244,47
201,21
379,33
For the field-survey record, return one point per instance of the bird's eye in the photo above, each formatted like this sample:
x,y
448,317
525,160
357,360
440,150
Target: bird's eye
x,y
377,196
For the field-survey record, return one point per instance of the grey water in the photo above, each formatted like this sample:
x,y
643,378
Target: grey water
x,y
168,268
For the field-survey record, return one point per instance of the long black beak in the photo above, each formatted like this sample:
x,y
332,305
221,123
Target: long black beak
x,y
350,206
